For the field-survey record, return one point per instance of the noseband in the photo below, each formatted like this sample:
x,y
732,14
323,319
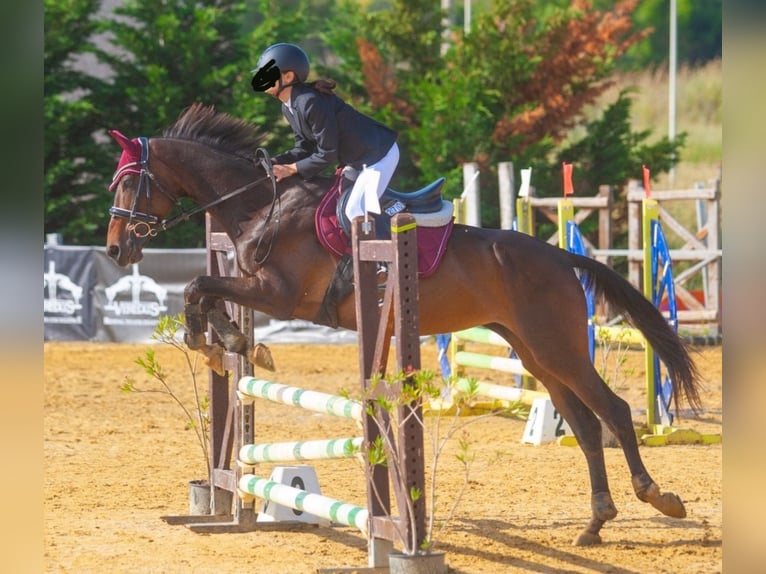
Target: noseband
x,y
143,224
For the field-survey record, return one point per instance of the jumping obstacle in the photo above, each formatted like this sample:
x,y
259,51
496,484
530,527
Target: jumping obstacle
x,y
397,315
235,487
251,388
251,454
376,327
314,504
305,399
229,425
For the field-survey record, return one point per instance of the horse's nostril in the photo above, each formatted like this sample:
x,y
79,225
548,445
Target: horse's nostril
x,y
113,251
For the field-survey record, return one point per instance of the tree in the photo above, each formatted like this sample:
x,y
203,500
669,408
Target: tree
x,y
699,33
166,56
77,169
161,58
511,89
608,154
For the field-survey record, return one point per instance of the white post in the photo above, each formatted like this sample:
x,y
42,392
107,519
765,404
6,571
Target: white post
x,y
447,23
467,17
470,194
672,84
702,220
505,189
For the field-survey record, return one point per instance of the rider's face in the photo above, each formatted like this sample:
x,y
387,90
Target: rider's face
x,y
286,78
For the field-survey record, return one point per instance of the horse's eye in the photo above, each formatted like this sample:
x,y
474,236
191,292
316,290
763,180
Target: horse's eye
x,y
129,183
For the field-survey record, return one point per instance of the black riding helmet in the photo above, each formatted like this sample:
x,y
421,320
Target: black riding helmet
x,y
276,59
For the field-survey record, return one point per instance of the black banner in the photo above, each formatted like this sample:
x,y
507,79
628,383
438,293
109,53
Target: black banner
x,y
88,297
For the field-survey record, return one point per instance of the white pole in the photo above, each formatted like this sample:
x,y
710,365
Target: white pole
x,y
505,189
672,83
467,17
447,21
470,194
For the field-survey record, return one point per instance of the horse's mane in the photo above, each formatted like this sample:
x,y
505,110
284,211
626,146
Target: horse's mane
x,y
203,124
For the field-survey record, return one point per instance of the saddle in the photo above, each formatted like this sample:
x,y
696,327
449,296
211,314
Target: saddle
x,y
433,216
427,200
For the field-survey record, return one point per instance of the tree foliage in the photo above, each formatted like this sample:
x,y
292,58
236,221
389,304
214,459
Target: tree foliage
x,y
510,90
76,167
609,153
699,33
166,56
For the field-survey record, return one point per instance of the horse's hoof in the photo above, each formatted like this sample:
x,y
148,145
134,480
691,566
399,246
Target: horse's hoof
x,y
670,505
214,358
666,502
587,539
260,356
602,505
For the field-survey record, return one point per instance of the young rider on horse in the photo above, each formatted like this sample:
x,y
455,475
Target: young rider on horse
x,y
327,130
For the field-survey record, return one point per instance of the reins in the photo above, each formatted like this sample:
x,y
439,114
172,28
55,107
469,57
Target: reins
x,y
153,224
276,201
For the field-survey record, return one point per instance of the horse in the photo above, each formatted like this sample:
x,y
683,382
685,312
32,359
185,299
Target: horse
x,y
522,288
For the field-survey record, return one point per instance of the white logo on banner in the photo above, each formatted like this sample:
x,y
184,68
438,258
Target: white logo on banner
x,y
128,310
57,307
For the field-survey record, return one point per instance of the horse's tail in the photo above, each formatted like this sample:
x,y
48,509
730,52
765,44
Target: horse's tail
x,y
643,315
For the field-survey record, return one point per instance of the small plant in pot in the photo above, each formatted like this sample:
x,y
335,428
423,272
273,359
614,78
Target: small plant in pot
x,y
438,408
194,412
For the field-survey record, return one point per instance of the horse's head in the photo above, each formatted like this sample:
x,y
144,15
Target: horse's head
x,y
140,202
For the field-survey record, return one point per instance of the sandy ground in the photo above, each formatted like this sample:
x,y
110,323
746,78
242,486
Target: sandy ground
x,y
116,462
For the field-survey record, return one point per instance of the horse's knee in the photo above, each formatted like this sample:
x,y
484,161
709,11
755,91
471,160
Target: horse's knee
x,y
196,326
191,292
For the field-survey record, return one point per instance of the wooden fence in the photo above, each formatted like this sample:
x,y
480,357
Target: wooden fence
x,y
699,250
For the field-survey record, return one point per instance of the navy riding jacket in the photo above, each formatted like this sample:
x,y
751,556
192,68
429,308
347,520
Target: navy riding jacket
x,y
329,132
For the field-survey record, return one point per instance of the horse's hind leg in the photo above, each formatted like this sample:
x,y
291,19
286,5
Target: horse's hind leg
x,y
587,430
615,413
580,395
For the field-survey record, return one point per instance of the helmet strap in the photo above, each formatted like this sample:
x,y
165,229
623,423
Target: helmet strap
x,y
287,85
284,86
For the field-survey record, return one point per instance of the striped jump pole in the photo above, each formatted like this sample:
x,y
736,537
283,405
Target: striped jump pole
x,y
503,364
251,454
303,398
500,392
482,335
310,503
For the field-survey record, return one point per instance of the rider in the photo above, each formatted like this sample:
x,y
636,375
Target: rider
x,y
327,130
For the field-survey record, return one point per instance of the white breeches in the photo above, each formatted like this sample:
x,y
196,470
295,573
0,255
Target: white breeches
x,y
373,177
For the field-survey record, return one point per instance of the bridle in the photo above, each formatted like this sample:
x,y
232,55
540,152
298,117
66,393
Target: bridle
x,y
143,225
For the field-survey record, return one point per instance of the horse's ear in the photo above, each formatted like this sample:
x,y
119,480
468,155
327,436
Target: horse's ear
x,y
127,144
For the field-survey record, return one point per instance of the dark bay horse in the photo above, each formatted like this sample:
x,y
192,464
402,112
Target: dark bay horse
x,y
522,288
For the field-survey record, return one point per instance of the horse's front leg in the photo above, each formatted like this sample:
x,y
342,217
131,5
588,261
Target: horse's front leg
x,y
204,298
195,335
